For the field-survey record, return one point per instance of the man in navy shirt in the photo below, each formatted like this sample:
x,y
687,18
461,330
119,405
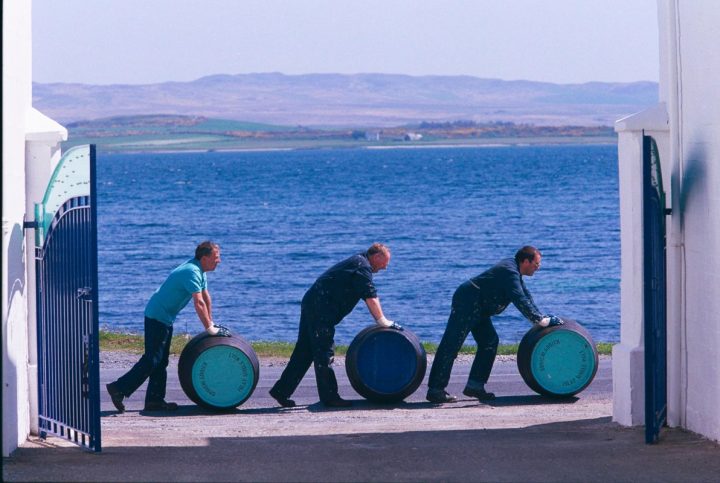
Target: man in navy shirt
x,y
472,305
333,296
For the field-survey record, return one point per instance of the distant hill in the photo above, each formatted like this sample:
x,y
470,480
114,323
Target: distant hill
x,y
165,124
335,100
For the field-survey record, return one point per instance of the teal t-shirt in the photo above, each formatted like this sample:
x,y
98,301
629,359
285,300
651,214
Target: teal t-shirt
x,y
175,293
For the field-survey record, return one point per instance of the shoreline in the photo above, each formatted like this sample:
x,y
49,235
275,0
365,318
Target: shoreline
x,y
107,149
133,343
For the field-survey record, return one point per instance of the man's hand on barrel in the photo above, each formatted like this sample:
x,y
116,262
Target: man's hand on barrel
x,y
384,322
550,321
219,330
554,320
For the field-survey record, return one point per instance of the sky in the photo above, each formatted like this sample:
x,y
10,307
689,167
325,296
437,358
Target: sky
x,y
151,41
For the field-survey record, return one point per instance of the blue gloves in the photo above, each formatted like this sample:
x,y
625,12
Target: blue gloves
x,y
555,321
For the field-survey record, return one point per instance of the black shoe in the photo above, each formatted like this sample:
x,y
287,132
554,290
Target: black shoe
x,y
116,397
337,402
160,406
479,394
282,401
438,396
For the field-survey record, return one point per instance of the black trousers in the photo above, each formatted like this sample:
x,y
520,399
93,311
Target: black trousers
x,y
466,316
315,345
153,363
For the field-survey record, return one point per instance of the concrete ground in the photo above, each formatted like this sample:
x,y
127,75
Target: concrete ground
x,y
518,437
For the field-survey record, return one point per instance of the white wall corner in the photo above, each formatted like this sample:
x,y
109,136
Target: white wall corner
x,y
40,128
630,149
628,375
652,119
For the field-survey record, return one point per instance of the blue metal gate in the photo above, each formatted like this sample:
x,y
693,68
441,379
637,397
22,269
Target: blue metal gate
x,y
67,302
655,290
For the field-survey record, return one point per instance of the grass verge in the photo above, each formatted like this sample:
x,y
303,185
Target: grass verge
x,y
118,341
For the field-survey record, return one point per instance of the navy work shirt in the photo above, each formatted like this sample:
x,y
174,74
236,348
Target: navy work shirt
x,y
336,292
502,284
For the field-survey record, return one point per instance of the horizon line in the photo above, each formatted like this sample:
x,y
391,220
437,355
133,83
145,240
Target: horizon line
x,y
277,73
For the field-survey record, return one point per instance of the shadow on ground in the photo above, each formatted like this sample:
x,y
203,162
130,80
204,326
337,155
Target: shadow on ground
x,y
584,450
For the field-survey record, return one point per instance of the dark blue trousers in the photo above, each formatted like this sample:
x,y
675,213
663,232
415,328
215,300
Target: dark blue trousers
x,y
153,363
466,316
315,345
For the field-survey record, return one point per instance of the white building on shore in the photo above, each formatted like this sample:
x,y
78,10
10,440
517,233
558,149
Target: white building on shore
x,y
686,126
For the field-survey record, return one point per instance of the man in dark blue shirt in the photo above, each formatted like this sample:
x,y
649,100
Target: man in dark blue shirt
x,y
333,296
472,305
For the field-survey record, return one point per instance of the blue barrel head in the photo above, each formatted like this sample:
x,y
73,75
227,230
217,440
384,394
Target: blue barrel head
x,y
563,362
384,364
223,376
387,362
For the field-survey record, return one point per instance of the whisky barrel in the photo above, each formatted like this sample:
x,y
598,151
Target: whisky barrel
x,y
557,361
218,372
385,364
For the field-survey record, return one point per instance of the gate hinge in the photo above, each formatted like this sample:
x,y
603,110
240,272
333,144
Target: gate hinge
x,y
30,224
668,211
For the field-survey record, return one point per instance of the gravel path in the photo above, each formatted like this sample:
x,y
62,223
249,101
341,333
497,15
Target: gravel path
x,y
520,436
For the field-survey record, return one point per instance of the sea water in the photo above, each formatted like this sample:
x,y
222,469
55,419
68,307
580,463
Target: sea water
x,y
283,217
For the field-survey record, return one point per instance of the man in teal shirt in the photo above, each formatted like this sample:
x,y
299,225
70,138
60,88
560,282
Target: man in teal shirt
x,y
187,281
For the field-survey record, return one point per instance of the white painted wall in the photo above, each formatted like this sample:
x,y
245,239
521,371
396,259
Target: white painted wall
x,y
690,153
693,96
31,146
17,98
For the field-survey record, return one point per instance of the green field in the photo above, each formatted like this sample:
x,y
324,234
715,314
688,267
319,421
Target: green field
x,y
196,133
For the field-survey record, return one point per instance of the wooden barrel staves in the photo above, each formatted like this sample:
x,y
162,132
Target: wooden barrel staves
x,y
557,361
384,364
218,372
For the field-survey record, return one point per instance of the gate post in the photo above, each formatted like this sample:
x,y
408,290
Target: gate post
x,y
42,153
628,357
